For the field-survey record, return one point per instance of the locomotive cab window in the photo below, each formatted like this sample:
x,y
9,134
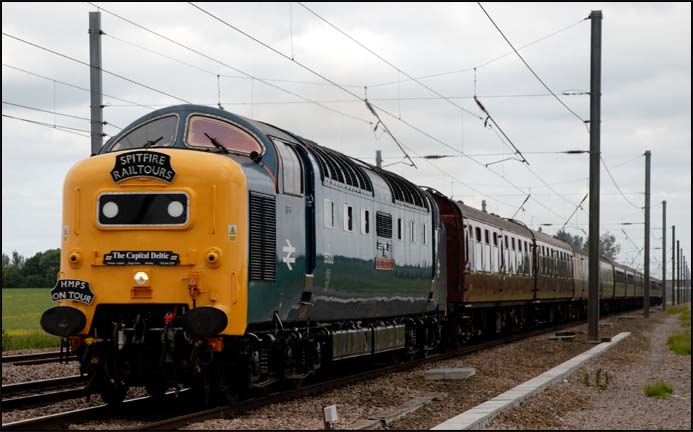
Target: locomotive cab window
x,y
160,132
203,131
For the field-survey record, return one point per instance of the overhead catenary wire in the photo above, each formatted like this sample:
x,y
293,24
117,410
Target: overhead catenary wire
x,y
486,63
58,113
483,109
207,71
360,98
351,101
227,65
575,211
53,126
90,66
507,139
385,61
583,121
616,184
79,88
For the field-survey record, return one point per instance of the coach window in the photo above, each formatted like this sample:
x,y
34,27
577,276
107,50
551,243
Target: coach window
x,y
477,230
543,261
399,228
160,132
486,237
202,129
513,243
292,171
328,213
365,221
412,230
495,239
425,239
348,218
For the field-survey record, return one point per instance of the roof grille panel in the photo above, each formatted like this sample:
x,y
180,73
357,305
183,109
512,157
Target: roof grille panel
x,y
404,191
340,168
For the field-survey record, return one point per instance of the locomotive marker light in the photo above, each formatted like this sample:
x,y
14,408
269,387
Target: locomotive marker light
x,y
141,278
175,209
110,210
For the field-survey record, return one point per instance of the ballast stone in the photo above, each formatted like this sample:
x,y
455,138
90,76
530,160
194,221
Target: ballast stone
x,y
449,374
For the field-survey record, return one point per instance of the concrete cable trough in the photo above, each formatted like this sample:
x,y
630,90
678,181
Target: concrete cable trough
x,y
481,415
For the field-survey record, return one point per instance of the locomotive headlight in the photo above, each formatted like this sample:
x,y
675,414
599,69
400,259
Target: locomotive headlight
x,y
110,209
141,278
175,209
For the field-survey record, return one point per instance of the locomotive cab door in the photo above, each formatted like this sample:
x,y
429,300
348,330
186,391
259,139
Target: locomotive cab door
x,y
309,191
295,230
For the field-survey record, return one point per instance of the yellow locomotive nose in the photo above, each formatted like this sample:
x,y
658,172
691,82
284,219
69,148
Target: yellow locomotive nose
x,y
136,236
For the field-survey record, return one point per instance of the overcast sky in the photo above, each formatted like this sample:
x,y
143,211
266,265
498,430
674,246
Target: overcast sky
x,y
646,102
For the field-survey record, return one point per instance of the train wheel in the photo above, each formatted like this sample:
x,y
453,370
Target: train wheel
x,y
111,387
156,389
296,383
202,390
113,394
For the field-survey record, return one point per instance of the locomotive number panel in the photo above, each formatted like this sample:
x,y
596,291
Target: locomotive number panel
x,y
143,209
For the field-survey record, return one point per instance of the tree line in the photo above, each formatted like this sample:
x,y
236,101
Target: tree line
x,y
39,271
608,248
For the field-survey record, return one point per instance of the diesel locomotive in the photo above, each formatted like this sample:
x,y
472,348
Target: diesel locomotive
x,y
204,249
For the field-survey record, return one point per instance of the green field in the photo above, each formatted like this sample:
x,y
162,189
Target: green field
x,y
21,315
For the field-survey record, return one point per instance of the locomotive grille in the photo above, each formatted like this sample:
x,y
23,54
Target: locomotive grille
x,y
263,237
383,225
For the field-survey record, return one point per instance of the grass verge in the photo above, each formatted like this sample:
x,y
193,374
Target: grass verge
x,y
661,390
28,339
680,343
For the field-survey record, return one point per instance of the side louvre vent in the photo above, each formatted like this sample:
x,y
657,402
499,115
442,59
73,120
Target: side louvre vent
x,y
263,237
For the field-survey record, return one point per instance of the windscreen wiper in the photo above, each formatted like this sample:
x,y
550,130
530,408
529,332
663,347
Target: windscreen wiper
x,y
217,144
150,143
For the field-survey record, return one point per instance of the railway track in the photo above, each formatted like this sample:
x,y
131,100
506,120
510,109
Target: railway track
x,y
41,392
36,358
142,410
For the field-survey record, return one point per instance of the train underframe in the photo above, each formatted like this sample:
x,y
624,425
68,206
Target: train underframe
x,y
152,348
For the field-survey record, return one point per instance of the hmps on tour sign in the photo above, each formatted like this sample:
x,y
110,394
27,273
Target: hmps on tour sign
x,y
143,164
73,289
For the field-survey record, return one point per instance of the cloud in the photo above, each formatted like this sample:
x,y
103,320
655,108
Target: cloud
x,y
645,104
